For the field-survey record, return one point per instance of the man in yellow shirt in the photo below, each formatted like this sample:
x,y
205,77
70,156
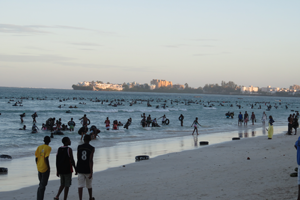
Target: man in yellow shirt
x,y
42,154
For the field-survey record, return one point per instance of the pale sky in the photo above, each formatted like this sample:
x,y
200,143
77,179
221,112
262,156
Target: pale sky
x,y
55,44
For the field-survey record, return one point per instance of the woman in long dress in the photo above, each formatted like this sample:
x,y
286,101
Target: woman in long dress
x,y
270,130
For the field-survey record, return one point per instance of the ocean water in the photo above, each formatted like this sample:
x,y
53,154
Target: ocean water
x,y
20,143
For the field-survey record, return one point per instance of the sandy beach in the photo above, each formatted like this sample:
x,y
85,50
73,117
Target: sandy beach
x,y
220,171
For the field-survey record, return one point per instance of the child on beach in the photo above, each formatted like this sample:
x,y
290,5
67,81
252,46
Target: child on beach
x,y
195,123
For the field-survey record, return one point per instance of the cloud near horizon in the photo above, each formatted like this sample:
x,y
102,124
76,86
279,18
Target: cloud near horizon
x,y
37,29
33,58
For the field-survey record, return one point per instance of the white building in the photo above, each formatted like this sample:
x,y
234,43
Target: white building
x,y
84,83
249,89
152,87
104,86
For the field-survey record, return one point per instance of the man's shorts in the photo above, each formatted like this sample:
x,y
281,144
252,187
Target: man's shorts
x,y
65,180
71,127
83,180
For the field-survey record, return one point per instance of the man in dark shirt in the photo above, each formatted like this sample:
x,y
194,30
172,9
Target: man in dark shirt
x,y
64,163
85,154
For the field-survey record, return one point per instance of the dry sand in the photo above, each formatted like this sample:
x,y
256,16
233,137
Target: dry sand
x,y
219,171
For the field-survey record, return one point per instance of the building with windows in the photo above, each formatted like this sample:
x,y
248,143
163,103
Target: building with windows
x,y
161,83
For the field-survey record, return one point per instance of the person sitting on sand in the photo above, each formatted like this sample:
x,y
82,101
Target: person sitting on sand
x,y
195,123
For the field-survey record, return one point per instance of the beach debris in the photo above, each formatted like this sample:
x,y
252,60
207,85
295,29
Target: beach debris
x,y
248,158
235,138
142,157
204,143
5,156
294,174
3,170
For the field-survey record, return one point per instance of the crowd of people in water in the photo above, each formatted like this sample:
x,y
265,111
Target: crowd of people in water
x,y
56,126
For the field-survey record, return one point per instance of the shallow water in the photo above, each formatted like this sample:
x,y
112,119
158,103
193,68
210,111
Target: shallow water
x,y
23,173
45,102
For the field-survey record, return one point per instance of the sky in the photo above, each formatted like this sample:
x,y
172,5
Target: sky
x,y
55,44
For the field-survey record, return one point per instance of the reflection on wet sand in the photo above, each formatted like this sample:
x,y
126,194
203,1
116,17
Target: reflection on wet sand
x,y
121,154
195,140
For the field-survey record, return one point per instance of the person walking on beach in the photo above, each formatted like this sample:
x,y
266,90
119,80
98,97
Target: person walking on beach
x,y
246,118
297,146
42,154
195,124
85,154
64,163
34,116
72,124
253,118
240,119
270,130
181,117
21,116
264,118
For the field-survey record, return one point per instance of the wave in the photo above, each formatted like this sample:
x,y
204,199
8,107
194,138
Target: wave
x,y
210,108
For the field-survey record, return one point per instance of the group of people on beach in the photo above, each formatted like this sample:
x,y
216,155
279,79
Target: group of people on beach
x,y
64,167
245,118
293,123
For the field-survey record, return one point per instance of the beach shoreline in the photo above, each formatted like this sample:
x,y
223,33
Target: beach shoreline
x,y
111,171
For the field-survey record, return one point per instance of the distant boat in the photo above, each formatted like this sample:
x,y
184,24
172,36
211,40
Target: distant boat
x,y
240,98
197,96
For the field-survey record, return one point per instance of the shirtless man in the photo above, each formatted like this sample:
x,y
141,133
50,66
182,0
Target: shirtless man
x,y
85,121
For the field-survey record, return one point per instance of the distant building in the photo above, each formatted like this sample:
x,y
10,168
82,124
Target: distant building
x,y
178,86
249,89
84,83
152,87
295,87
161,83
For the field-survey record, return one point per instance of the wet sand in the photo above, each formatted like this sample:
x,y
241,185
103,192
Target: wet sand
x,y
215,171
